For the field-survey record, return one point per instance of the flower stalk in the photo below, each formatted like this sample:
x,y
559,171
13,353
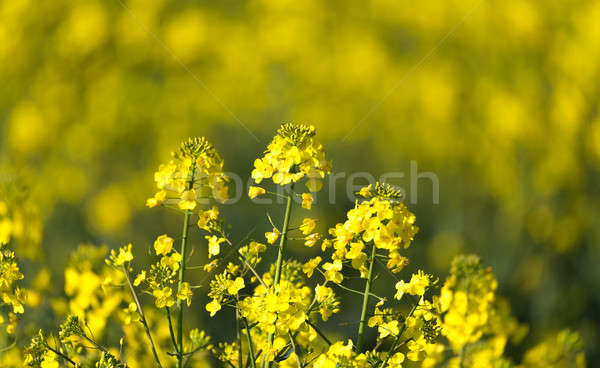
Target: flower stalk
x,y
283,240
142,316
184,238
280,253
365,305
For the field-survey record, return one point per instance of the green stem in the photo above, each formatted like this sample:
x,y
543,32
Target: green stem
x,y
387,358
283,240
142,316
184,238
319,332
55,351
171,331
365,305
279,263
238,332
250,346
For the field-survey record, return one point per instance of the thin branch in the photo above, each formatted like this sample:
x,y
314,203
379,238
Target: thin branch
x,y
295,351
61,355
142,317
319,332
173,340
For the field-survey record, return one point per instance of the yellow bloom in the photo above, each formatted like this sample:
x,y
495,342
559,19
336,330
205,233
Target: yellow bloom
x,y
211,265
214,245
206,216
417,285
272,236
312,239
163,297
332,271
365,192
309,267
254,192
322,292
389,328
141,277
163,245
49,361
188,200
307,200
213,307
172,261
124,255
355,250
307,226
185,293
234,286
157,200
396,360
292,155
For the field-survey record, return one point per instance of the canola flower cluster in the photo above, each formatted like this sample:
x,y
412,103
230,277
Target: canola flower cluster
x,y
281,308
73,130
292,155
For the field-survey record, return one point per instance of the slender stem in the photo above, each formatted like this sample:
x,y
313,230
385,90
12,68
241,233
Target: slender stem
x,y
296,353
142,316
61,355
184,238
319,332
173,340
238,332
365,305
250,346
279,263
387,358
357,292
283,240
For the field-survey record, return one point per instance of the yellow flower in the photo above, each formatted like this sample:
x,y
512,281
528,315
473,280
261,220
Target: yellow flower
x,y
141,277
211,265
124,255
206,216
389,328
312,239
307,200
417,285
214,245
49,361
365,192
185,293
172,261
396,360
309,267
355,250
157,200
163,297
307,226
254,192
213,307
322,292
332,271
188,200
272,236
292,155
196,164
163,245
234,286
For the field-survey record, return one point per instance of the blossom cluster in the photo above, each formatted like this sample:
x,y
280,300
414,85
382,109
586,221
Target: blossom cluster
x,y
281,308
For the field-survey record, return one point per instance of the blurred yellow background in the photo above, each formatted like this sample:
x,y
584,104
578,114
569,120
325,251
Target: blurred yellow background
x,y
498,98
